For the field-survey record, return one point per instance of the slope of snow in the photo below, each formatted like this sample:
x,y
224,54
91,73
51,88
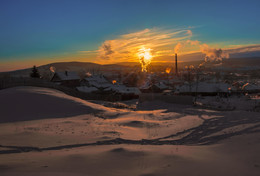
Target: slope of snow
x,y
63,128
31,103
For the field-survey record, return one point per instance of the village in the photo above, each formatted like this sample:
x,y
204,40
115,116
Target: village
x,y
185,86
186,83
175,83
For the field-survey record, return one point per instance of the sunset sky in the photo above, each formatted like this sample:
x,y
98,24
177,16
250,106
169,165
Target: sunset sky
x,y
35,32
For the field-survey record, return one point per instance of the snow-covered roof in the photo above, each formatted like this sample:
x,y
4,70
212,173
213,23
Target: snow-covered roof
x,y
99,85
161,85
98,81
204,87
97,78
66,75
86,89
123,89
146,85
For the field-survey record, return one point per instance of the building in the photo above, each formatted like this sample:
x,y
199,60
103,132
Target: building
x,y
97,81
98,84
66,78
203,88
154,88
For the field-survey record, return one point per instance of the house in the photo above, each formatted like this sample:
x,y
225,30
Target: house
x,y
126,93
155,88
203,88
97,81
122,89
159,87
100,85
66,78
87,89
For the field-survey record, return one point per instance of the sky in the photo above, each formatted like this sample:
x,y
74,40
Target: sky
x,y
35,32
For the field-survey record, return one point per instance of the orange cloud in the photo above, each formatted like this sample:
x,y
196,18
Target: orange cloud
x,y
164,43
125,47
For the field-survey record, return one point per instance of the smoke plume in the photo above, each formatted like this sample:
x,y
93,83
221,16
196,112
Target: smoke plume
x,y
177,47
212,54
52,69
183,44
145,58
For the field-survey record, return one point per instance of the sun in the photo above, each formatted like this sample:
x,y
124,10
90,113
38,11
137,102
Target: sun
x,y
145,57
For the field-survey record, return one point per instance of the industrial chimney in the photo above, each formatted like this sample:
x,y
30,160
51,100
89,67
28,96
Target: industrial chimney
x,y
176,64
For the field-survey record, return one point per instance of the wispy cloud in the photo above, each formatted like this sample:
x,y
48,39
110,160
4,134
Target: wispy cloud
x,y
163,43
125,47
244,48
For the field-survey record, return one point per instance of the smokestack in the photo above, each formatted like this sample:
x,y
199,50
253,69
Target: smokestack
x,y
176,64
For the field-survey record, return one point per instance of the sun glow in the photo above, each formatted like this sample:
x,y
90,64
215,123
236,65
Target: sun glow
x,y
145,58
168,70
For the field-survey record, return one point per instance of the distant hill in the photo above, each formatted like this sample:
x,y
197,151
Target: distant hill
x,y
232,63
59,66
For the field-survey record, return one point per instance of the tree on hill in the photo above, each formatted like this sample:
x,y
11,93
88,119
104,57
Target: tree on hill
x,y
35,73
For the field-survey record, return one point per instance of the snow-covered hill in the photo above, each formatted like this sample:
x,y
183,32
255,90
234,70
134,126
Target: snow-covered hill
x,y
46,132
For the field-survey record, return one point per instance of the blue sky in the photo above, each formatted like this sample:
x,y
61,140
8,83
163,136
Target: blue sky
x,y
39,30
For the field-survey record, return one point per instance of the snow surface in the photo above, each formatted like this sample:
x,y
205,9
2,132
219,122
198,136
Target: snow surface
x,y
61,127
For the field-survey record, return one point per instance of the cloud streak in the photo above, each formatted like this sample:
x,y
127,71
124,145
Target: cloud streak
x,y
164,43
211,54
126,47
